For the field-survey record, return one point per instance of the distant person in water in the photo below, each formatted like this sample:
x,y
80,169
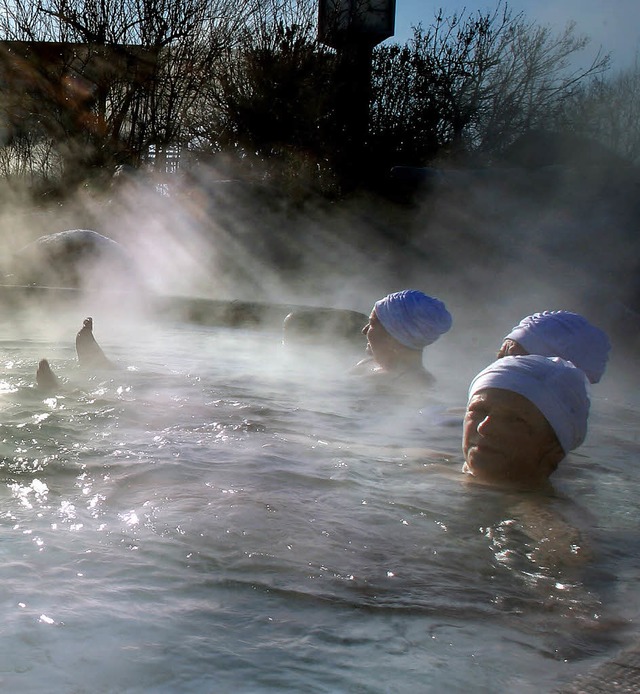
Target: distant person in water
x,y
323,327
90,355
562,334
524,414
400,326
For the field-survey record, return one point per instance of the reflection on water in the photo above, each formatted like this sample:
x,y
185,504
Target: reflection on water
x,y
202,520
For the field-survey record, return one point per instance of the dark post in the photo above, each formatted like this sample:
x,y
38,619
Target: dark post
x,y
353,28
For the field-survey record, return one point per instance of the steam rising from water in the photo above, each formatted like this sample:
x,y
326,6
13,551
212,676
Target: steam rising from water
x,y
494,246
220,484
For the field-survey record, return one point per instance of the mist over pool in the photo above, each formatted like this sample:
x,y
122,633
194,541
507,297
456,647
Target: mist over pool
x,y
223,513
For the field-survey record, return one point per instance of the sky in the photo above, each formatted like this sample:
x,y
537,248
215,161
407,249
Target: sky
x,y
613,24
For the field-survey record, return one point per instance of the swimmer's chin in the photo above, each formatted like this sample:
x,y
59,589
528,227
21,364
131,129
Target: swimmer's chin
x,y
485,463
499,478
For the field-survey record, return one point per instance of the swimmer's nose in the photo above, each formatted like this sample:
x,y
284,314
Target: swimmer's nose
x,y
486,426
365,330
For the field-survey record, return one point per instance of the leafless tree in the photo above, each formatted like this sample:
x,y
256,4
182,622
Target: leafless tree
x,y
473,83
126,75
270,91
251,79
608,110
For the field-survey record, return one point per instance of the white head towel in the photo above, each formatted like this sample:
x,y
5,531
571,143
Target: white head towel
x,y
556,387
566,335
413,318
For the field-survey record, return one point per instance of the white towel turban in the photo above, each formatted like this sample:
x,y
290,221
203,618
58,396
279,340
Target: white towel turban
x,y
413,318
566,335
556,387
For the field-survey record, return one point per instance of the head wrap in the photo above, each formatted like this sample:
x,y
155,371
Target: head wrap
x,y
566,335
556,387
413,318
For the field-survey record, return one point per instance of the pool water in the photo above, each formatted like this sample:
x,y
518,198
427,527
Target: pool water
x,y
220,514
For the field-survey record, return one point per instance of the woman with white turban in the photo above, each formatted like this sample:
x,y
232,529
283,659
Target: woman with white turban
x,y
400,326
562,334
524,414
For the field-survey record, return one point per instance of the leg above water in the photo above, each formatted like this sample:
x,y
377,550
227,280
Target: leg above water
x,y
89,352
45,378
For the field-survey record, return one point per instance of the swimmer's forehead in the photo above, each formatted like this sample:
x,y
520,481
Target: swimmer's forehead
x,y
503,399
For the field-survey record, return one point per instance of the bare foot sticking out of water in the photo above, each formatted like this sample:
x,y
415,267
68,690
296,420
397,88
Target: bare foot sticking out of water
x,y
89,351
45,378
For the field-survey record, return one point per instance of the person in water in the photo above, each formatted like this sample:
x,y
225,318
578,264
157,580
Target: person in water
x,y
305,327
89,353
524,414
562,334
400,326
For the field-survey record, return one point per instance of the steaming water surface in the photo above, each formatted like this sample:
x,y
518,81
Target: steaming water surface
x,y
206,519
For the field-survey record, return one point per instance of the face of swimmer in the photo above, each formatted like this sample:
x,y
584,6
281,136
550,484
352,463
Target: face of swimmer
x,y
511,348
507,439
382,347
